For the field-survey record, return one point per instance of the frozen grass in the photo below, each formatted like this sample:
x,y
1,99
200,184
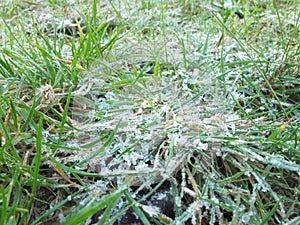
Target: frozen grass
x,y
107,106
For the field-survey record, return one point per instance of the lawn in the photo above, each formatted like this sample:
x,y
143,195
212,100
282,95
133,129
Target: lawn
x,y
149,112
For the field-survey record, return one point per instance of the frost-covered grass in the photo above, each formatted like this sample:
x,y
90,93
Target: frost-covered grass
x,y
149,112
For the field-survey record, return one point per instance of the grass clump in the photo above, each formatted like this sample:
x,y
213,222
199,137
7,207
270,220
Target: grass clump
x,y
149,112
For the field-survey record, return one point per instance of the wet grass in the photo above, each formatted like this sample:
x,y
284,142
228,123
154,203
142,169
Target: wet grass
x,y
107,108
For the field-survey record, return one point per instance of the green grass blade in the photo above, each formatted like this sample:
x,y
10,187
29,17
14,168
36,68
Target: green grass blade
x,y
136,209
77,217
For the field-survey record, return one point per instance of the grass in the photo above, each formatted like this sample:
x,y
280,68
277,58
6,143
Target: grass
x,y
107,108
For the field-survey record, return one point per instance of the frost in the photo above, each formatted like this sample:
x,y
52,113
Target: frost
x,y
141,166
132,158
100,186
110,95
61,217
248,173
249,110
279,161
161,196
182,109
189,191
219,153
294,221
215,200
102,105
178,201
73,144
203,146
246,217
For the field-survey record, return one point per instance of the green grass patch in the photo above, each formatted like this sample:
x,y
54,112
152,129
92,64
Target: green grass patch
x,y
149,112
